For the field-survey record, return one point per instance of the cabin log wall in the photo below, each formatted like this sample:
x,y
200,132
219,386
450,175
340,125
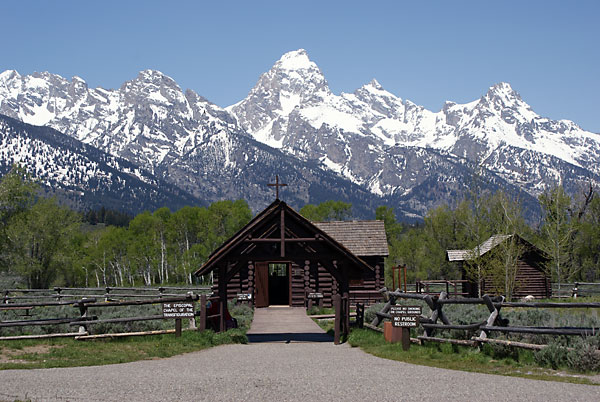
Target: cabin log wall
x,y
310,276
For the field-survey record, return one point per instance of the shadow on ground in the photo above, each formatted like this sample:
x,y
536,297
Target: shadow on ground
x,y
289,337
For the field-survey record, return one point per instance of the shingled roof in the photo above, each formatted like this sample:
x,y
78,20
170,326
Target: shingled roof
x,y
463,255
362,238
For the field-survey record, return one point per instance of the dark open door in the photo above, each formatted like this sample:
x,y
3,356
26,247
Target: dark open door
x,y
279,284
262,284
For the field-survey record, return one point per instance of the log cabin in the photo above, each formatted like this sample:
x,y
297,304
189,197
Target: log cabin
x,y
531,275
281,258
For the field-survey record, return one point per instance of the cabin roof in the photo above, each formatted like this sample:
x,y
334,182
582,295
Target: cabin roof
x,y
362,238
485,247
258,228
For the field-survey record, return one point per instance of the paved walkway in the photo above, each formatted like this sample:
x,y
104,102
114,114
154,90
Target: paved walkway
x,y
285,324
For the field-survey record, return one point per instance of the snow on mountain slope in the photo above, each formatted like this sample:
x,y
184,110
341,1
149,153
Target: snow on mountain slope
x,y
82,174
149,120
351,134
369,139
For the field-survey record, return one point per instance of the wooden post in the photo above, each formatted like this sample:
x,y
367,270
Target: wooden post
x,y
57,290
405,338
192,325
360,315
493,316
83,314
222,297
394,277
346,309
337,304
405,278
202,326
177,327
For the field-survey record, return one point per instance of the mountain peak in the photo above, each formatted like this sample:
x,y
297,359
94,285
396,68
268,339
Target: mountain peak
x,y
504,90
9,75
295,60
154,77
375,84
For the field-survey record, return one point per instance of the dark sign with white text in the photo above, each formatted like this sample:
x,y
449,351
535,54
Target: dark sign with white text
x,y
178,310
405,316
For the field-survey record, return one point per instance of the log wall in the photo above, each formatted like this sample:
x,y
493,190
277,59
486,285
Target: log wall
x,y
310,276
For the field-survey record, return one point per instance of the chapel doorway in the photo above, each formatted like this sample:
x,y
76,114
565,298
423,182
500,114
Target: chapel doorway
x,y
272,284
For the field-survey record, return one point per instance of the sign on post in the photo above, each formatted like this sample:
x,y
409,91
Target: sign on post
x,y
178,310
315,295
403,319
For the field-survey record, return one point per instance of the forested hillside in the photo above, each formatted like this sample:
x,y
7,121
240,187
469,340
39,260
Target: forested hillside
x,y
47,244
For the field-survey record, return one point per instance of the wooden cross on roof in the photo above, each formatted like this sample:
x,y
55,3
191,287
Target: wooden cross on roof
x,y
277,185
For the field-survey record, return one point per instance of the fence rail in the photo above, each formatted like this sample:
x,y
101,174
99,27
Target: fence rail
x,y
494,323
108,293
84,321
453,288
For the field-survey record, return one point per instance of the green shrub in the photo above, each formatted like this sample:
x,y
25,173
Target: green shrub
x,y
498,351
585,355
371,310
554,356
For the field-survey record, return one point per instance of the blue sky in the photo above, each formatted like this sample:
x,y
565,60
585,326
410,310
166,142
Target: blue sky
x,y
425,51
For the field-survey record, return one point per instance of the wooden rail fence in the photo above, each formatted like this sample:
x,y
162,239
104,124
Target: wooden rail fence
x,y
494,323
84,322
108,293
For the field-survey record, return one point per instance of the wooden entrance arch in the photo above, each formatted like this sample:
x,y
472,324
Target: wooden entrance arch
x,y
315,261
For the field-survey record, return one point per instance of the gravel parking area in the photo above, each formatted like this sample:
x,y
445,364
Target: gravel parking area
x,y
277,372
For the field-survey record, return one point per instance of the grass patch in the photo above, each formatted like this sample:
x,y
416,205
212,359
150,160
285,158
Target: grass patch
x,y
489,360
25,354
316,310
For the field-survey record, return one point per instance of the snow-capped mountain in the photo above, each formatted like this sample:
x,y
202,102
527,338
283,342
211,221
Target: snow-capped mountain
x,y
292,108
149,120
368,147
81,174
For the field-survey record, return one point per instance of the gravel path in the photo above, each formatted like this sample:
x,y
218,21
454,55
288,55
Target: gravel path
x,y
277,372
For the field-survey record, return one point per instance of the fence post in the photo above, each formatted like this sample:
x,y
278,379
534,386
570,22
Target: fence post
x,y
5,301
57,290
193,319
360,315
346,299
106,295
494,313
337,304
83,315
202,326
575,290
177,327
